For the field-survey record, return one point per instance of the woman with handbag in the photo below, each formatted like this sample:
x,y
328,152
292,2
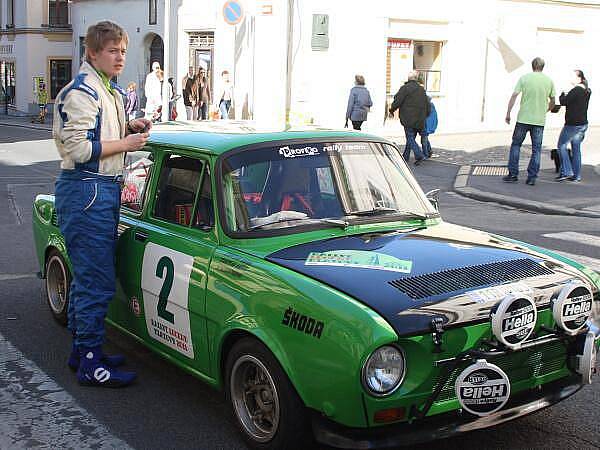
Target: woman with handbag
x,y
576,124
359,103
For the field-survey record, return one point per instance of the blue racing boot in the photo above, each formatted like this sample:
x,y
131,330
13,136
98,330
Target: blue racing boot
x,y
109,360
93,371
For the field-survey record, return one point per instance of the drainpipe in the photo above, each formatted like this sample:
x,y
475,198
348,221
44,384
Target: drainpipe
x,y
288,74
167,65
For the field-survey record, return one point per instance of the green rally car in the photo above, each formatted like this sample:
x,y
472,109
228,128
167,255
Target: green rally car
x,y
307,274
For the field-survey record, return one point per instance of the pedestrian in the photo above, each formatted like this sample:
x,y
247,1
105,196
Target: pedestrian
x,y
203,92
226,95
42,97
132,101
413,104
431,122
152,91
189,94
91,135
173,97
576,124
537,98
359,103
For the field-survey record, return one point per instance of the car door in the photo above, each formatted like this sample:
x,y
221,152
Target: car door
x,y
170,249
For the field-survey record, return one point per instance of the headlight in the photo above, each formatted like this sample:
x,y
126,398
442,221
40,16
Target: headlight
x,y
384,370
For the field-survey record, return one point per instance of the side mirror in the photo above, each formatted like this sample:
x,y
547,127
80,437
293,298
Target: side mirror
x,y
433,197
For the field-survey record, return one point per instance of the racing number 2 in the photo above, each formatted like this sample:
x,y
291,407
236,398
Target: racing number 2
x,y
165,263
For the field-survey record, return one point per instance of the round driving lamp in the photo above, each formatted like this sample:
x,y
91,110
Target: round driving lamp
x,y
384,370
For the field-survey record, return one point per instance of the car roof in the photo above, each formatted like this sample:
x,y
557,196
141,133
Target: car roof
x,y
220,136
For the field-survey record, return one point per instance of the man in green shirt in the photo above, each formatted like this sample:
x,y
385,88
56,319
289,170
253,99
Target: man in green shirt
x,y
537,98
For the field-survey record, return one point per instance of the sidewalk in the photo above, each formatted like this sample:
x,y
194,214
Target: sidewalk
x,y
482,160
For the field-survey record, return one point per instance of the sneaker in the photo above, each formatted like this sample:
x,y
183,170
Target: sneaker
x,y
93,372
510,179
530,181
109,360
575,179
561,178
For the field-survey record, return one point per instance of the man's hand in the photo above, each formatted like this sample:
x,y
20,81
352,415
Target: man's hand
x,y
507,119
140,125
135,141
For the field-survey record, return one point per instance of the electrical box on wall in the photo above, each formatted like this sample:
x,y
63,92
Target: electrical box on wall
x,y
320,32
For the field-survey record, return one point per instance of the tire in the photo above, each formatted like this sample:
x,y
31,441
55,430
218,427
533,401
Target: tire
x,y
286,424
57,284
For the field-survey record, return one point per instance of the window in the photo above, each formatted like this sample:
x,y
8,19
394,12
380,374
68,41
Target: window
x,y
10,13
7,82
58,13
152,11
138,167
60,75
184,192
427,59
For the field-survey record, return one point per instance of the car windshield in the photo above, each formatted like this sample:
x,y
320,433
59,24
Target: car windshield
x,y
333,184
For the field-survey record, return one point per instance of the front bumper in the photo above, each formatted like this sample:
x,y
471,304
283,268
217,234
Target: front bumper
x,y
442,425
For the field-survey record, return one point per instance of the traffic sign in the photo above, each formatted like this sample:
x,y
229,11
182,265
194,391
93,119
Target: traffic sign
x,y
233,13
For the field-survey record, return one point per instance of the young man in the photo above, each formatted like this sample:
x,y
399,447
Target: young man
x,y
91,134
537,98
413,104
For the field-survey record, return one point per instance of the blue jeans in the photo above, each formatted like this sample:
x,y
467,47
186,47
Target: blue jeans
x,y
224,106
536,132
575,135
87,206
411,144
425,144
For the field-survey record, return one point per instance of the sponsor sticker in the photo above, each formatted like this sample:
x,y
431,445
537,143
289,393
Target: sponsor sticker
x,y
497,293
359,259
513,320
303,323
482,388
572,308
135,307
289,152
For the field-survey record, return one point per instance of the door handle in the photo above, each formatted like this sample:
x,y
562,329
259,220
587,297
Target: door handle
x,y
141,236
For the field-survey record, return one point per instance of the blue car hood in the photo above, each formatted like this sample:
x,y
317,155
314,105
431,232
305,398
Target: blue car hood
x,y
397,271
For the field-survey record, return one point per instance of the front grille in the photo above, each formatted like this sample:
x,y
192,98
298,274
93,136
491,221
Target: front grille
x,y
469,277
519,366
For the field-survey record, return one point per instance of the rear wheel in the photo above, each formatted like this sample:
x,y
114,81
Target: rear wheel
x,y
266,407
58,283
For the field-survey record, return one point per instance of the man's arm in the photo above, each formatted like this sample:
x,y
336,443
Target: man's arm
x,y
552,103
398,100
511,103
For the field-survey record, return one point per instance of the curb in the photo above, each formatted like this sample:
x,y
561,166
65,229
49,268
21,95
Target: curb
x,y
27,125
461,188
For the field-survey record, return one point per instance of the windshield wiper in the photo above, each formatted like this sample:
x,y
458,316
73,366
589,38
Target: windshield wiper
x,y
336,222
382,210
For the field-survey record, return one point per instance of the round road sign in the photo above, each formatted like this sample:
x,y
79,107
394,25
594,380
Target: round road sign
x,y
233,12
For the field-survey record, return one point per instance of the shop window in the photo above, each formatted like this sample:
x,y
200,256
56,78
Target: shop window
x,y
7,82
152,11
58,13
427,59
60,75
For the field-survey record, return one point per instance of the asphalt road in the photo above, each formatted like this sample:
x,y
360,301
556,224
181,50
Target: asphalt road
x,y
168,408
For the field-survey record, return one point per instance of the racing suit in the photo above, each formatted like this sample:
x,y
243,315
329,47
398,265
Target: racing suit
x,y
87,111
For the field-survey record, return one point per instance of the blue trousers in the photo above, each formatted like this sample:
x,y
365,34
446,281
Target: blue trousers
x,y
575,135
87,206
536,132
411,144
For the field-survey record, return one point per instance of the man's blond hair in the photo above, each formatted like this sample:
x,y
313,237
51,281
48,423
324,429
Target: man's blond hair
x,y
100,34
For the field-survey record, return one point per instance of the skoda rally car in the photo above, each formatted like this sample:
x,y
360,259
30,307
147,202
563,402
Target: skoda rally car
x,y
307,274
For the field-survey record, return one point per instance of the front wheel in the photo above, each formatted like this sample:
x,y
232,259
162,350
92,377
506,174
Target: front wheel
x,y
267,408
58,283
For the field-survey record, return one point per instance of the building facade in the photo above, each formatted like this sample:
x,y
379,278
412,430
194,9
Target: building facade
x,y
296,59
35,50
